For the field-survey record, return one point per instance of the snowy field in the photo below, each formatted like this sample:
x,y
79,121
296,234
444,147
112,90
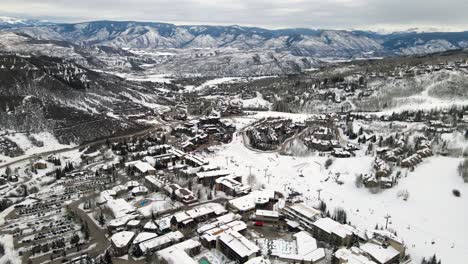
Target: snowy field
x,y
432,221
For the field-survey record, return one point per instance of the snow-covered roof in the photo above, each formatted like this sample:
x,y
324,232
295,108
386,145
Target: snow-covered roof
x,y
120,207
139,189
214,233
143,167
305,210
161,240
247,202
267,213
122,239
380,253
353,255
331,226
143,236
134,222
258,260
178,252
238,243
212,173
221,220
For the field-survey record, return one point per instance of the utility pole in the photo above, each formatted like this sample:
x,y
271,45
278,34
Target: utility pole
x,y
267,176
386,218
319,191
250,169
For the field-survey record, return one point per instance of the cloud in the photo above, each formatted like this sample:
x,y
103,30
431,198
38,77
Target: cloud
x,y
266,13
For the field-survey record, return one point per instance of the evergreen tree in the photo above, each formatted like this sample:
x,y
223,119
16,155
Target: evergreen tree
x,y
102,221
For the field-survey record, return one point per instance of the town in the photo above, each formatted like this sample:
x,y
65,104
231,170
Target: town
x,y
235,174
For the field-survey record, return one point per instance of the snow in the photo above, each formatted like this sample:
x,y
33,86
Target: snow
x,y
143,236
258,260
238,243
381,254
178,253
431,221
120,207
50,144
10,256
122,239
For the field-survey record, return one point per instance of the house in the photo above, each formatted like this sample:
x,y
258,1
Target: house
x,y
152,245
411,161
139,190
40,165
142,237
134,224
164,224
330,231
180,253
150,226
236,247
340,153
121,242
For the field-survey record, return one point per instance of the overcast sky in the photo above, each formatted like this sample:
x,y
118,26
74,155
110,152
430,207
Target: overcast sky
x,y
339,14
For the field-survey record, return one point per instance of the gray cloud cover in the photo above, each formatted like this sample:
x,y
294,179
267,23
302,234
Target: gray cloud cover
x,y
265,13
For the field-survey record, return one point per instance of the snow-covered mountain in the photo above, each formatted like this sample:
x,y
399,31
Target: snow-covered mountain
x,y
10,22
296,41
145,35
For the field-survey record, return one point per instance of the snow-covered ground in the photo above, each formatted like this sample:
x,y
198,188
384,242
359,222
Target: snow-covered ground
x,y
257,102
11,256
21,139
431,221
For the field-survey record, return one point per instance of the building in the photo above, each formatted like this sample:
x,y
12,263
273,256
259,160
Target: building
x,y
208,178
180,253
152,245
232,186
209,237
183,195
189,218
262,199
352,255
144,168
121,242
332,232
306,250
266,216
303,214
40,165
381,253
155,183
236,247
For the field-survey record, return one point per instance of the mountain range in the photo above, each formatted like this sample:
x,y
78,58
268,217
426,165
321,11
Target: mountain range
x,y
296,41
